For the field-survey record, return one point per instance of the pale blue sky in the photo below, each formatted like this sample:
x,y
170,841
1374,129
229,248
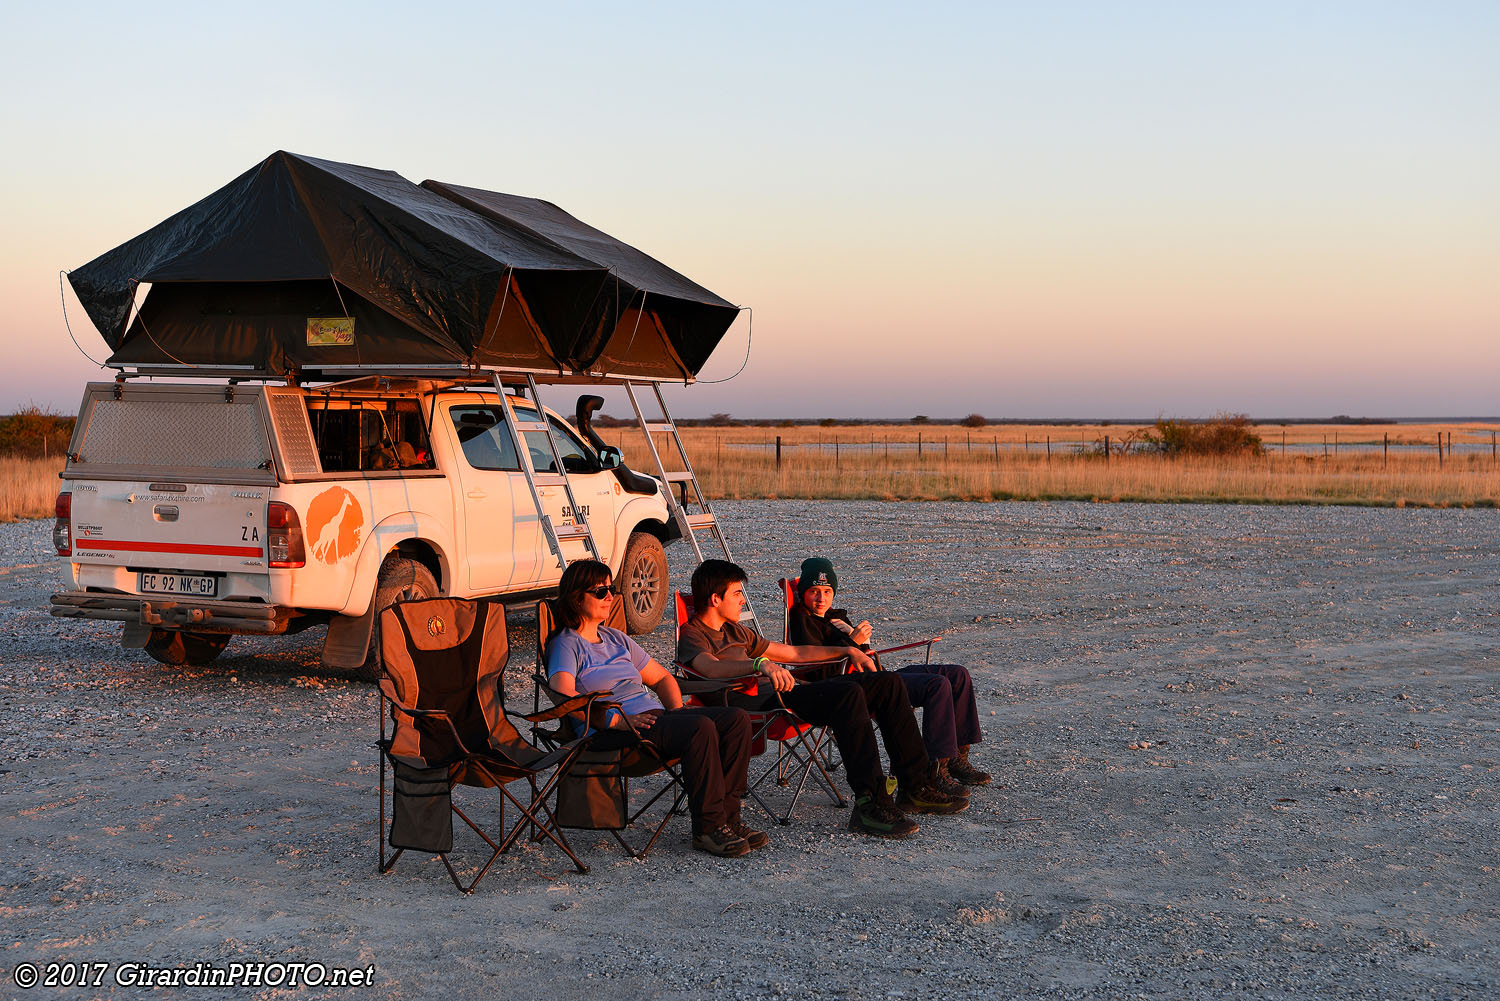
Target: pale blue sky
x,y
1066,209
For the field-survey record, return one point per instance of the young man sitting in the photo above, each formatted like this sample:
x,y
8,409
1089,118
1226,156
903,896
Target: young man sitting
x,y
715,645
944,692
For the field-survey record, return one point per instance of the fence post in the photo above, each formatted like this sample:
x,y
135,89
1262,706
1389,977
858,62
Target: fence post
x,y
1106,450
1385,450
1283,443
835,452
997,449
1049,448
919,444
778,451
968,441
1440,450
1492,448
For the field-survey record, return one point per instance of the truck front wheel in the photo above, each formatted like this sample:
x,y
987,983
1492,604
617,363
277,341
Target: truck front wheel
x,y
400,579
172,646
643,583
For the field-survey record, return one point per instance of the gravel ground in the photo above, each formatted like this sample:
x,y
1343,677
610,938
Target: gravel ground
x,y
1241,752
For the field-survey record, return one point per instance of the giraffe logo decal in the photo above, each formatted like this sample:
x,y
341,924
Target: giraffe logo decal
x,y
334,525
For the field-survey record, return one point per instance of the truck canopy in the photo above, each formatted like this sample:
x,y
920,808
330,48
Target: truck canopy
x,y
302,264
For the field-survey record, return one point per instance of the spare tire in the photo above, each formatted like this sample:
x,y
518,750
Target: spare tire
x,y
175,647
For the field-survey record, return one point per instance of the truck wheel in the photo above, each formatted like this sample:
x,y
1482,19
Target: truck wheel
x,y
172,646
643,583
400,579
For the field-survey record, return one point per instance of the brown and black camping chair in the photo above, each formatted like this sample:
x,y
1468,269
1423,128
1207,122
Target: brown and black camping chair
x,y
799,744
444,662
595,794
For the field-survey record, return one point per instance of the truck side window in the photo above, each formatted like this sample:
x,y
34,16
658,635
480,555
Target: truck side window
x,y
364,435
484,438
576,456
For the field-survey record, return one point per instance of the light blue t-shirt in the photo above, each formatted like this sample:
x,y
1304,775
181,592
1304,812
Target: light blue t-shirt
x,y
614,664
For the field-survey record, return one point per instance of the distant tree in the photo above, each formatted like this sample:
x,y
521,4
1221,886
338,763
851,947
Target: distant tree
x,y
719,420
920,419
828,422
1223,434
973,421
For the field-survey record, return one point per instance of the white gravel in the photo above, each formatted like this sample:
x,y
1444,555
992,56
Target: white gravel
x,y
1242,752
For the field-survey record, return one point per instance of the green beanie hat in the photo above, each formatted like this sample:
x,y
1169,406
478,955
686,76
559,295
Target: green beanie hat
x,y
816,570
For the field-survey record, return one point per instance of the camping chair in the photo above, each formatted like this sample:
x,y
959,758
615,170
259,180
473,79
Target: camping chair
x,y
789,599
444,661
595,794
798,743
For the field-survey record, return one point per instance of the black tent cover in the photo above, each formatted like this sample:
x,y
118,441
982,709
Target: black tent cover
x,y
300,264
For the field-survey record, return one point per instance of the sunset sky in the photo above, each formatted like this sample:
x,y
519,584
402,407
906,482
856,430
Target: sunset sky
x,y
1019,210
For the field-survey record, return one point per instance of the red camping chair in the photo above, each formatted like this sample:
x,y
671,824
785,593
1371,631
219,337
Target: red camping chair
x,y
798,743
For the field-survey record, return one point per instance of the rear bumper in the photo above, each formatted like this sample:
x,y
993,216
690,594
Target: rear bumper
x,y
174,613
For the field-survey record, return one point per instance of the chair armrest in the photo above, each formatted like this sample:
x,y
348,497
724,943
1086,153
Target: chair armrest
x,y
911,646
431,717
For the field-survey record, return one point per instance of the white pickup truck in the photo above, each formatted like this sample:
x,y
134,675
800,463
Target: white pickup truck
x,y
191,513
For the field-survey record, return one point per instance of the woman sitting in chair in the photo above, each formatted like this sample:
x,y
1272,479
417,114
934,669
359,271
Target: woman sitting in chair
x,y
944,692
713,742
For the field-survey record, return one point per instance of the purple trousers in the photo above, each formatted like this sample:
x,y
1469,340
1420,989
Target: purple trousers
x,y
945,694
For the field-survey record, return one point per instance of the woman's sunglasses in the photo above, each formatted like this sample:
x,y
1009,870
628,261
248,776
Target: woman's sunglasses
x,y
602,590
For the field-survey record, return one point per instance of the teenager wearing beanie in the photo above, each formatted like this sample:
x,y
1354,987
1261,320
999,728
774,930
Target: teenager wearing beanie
x,y
944,692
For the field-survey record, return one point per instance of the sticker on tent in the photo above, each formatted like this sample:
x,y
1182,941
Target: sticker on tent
x,y
330,331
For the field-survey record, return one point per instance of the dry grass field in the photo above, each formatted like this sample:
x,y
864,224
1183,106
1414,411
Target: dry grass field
x,y
1302,464
1394,465
28,487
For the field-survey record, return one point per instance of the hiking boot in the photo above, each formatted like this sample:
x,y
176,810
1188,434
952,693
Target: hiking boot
x,y
946,783
721,841
755,839
923,797
879,819
966,773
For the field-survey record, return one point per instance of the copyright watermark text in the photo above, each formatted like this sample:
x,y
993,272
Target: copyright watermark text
x,y
256,974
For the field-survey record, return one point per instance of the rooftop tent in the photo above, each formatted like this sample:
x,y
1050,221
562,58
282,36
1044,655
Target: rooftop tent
x,y
645,315
238,279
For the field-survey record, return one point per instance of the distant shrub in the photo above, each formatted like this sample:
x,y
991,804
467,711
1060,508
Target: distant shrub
x,y
973,421
828,422
35,432
719,421
920,419
1223,434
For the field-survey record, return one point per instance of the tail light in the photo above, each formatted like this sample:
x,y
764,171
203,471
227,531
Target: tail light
x,y
284,536
62,529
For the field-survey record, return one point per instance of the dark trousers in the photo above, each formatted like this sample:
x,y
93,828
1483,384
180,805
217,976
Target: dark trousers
x,y
714,745
945,694
851,705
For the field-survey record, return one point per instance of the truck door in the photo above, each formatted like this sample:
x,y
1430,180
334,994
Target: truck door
x,y
591,486
499,531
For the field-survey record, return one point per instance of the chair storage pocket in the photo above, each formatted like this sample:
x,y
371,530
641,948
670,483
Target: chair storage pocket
x,y
422,814
592,795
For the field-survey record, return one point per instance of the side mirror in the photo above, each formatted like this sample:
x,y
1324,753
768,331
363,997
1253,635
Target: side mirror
x,y
610,457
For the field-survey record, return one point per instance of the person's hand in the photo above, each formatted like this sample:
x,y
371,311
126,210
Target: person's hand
x,y
640,721
781,678
862,633
862,661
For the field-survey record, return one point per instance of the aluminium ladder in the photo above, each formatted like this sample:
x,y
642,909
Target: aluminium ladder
x,y
689,524
556,534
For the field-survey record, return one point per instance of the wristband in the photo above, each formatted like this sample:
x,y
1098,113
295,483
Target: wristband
x,y
760,665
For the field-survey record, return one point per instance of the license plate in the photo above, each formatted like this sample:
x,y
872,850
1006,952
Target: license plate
x,y
192,585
